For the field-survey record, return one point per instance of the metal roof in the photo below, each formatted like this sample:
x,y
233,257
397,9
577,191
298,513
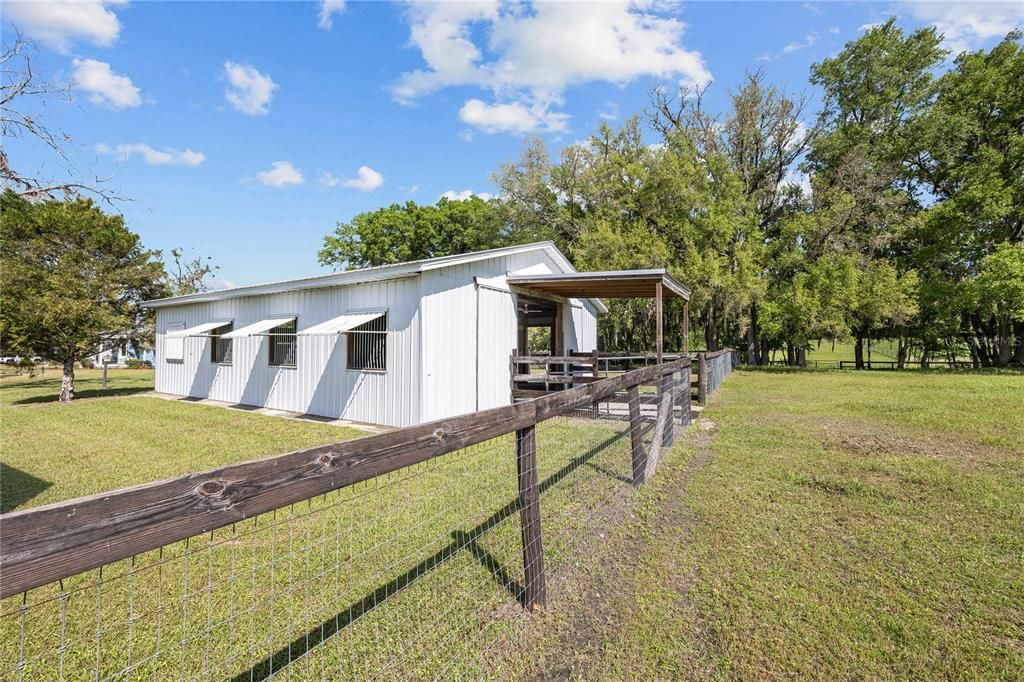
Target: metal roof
x,y
614,284
382,272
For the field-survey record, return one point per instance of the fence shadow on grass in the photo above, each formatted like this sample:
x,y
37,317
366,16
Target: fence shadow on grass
x,y
18,487
468,540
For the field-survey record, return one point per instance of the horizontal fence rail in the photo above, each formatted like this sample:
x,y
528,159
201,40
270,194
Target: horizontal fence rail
x,y
393,555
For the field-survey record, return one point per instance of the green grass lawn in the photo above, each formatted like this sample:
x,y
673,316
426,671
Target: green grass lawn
x,y
52,452
44,387
844,526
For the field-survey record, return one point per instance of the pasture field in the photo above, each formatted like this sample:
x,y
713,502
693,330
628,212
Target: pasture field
x,y
105,439
826,525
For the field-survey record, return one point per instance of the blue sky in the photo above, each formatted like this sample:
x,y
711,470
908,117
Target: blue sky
x,y
245,130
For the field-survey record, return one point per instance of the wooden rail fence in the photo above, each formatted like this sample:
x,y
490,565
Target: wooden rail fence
x,y
46,544
47,548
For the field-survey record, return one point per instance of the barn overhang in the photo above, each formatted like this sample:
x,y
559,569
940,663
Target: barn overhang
x,y
655,284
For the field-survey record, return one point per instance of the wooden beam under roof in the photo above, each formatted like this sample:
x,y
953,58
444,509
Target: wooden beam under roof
x,y
614,284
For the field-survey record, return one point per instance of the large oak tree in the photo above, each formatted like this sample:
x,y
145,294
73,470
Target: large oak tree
x,y
72,280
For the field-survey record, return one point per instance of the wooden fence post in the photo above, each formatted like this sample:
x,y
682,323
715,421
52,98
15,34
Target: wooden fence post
x,y
596,359
512,370
635,435
669,387
534,592
684,393
702,378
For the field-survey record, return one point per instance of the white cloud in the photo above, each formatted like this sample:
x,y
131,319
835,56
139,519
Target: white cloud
x,y
328,8
453,195
366,180
868,27
105,87
154,157
281,173
61,24
249,91
809,40
532,54
466,135
967,25
513,117
610,112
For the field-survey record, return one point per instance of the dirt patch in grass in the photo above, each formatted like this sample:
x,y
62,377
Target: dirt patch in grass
x,y
592,599
856,437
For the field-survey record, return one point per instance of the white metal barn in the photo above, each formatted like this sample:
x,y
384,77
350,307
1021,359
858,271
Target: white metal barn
x,y
397,345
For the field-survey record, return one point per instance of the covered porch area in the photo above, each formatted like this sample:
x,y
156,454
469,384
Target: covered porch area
x,y
653,284
534,374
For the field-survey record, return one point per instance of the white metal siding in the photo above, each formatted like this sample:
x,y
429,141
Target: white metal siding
x,y
581,330
452,383
319,383
434,348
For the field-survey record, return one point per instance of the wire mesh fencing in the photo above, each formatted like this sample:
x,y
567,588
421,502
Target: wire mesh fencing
x,y
719,366
416,573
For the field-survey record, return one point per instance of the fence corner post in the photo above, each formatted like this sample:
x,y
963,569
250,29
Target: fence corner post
x,y
639,455
534,590
684,393
702,378
668,382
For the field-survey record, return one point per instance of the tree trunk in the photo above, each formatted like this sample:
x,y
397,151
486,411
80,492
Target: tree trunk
x,y
801,356
982,337
711,331
790,354
858,352
901,351
753,356
1004,342
67,381
1018,332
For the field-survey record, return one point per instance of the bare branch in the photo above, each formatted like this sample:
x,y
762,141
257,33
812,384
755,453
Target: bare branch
x,y
23,92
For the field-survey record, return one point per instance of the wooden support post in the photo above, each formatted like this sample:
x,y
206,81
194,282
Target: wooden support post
x,y
535,592
595,357
686,327
702,378
684,394
669,399
660,338
513,369
104,374
636,436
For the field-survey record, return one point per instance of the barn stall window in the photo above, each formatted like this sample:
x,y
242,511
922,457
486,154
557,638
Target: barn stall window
x,y
220,347
174,342
368,345
283,345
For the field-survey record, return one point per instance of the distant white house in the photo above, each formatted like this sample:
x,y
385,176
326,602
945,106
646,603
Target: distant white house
x,y
117,355
397,345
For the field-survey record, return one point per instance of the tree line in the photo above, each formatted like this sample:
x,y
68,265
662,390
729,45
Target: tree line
x,y
908,222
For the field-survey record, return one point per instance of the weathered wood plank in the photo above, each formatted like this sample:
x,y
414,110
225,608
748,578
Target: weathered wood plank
x,y
639,455
535,590
702,378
